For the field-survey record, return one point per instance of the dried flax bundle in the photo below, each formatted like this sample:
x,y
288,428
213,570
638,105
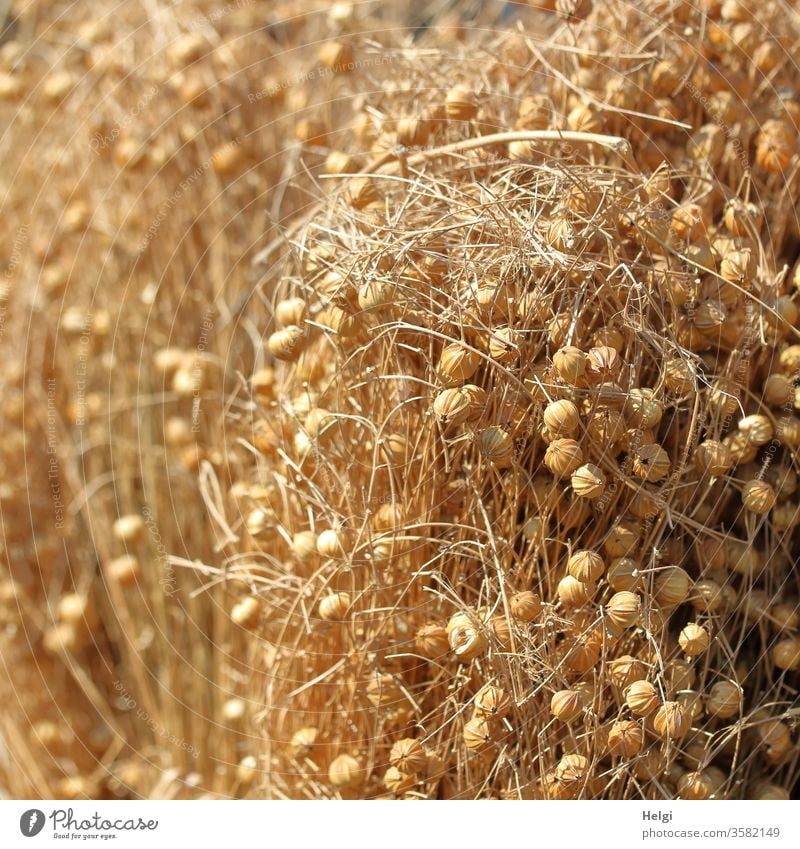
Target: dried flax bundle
x,y
518,476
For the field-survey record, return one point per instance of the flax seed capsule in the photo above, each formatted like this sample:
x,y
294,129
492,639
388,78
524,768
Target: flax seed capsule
x,y
625,670
287,344
758,497
786,654
562,417
672,586
624,574
457,364
478,734
247,612
569,363
345,772
624,609
431,641
408,756
586,566
724,700
642,698
672,721
693,639
563,457
651,462
626,738
335,607
492,702
525,606
574,593
712,458
566,705
497,446
466,637
588,481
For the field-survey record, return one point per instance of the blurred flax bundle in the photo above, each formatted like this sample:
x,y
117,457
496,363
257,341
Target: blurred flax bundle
x,y
471,472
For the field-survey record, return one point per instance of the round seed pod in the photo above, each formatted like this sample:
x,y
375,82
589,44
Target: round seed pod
x,y
124,570
583,651
696,785
497,446
624,574
334,543
679,377
566,705
291,311
492,702
431,641
693,639
247,612
672,586
574,593
742,450
304,546
606,429
398,782
461,104
525,606
642,698
129,528
712,458
345,772
569,363
778,389
651,462
478,734
234,710
412,131
287,344
624,609
672,721
707,595
768,792
500,627
623,538
679,675
588,481
786,654
625,670
563,457
383,691
603,364
303,741
757,429
395,449
334,607
586,566
561,417
457,364
451,406
504,347
642,409
626,738
724,699
776,740
785,617
466,637
247,770
408,756
758,497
